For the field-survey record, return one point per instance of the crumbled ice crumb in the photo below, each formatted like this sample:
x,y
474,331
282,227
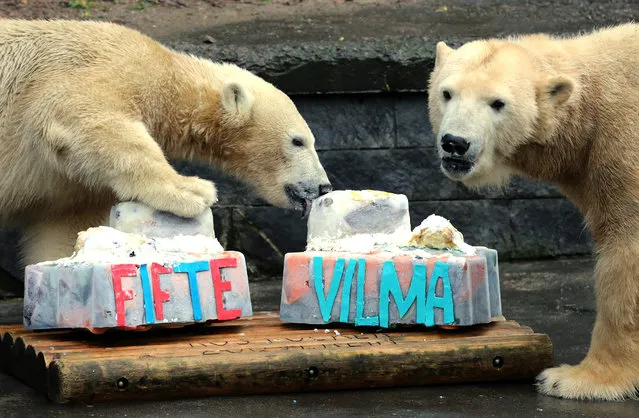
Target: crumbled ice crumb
x,y
337,333
435,223
316,330
326,331
108,245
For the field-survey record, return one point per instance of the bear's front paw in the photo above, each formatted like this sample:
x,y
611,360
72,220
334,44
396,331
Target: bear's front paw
x,y
588,383
185,196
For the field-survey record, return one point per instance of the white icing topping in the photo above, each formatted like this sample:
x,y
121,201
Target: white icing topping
x,y
434,223
107,245
366,221
358,243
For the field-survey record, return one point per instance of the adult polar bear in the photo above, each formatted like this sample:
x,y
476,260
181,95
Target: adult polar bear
x,y
564,110
89,110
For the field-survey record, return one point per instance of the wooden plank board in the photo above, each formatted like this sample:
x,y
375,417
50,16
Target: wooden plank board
x,y
262,355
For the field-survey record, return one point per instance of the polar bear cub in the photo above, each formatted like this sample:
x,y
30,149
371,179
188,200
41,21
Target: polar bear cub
x,y
90,112
563,110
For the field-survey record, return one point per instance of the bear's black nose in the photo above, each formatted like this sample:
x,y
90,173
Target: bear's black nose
x,y
455,144
325,188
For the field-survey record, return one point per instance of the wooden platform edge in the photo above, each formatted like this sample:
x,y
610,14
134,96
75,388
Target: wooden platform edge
x,y
170,375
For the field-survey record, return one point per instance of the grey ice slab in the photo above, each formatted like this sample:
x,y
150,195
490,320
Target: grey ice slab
x,y
344,213
134,217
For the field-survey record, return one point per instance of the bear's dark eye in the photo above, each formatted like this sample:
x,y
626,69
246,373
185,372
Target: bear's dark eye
x,y
298,142
446,95
497,105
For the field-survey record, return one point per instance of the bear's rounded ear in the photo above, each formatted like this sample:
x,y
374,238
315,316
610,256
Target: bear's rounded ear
x,y
442,51
559,88
237,102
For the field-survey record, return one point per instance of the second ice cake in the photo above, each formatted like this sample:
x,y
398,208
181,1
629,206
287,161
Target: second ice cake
x,y
364,266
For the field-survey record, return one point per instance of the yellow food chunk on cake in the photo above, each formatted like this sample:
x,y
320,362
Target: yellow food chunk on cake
x,y
438,233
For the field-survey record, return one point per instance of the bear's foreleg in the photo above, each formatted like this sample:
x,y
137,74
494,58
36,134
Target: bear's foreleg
x,y
610,370
120,154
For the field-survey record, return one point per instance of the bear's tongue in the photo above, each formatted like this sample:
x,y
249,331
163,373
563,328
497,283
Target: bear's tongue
x,y
306,208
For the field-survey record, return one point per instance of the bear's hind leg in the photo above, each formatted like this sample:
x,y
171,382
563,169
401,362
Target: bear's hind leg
x,y
610,371
52,239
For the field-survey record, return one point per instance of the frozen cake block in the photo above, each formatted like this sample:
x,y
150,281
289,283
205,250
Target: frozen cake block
x,y
365,215
385,289
130,295
137,218
363,266
155,269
